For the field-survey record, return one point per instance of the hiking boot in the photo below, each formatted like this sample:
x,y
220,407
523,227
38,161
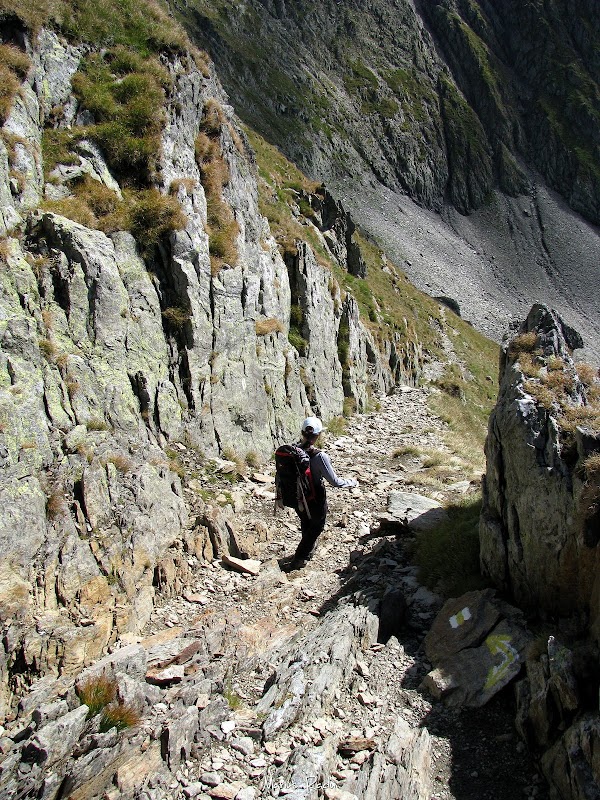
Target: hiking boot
x,y
285,564
294,564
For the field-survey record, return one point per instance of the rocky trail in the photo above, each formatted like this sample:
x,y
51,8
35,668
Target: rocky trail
x,y
305,661
303,685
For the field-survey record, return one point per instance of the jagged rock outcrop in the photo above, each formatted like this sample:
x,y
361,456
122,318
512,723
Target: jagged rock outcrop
x,y
338,229
539,523
304,687
557,716
177,690
539,536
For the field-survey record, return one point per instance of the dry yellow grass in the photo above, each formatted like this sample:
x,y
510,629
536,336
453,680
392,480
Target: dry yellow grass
x,y
14,66
48,318
55,504
222,227
265,326
119,716
121,462
588,374
406,450
212,118
48,349
188,184
97,692
591,465
525,343
253,459
559,381
575,416
542,394
530,364
177,316
73,386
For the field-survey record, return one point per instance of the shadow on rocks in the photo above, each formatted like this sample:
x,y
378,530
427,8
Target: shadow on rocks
x,y
374,579
488,760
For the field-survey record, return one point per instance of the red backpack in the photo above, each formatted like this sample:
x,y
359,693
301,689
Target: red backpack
x,y
294,485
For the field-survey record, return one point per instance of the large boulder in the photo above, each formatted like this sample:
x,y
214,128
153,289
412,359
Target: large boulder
x,y
477,645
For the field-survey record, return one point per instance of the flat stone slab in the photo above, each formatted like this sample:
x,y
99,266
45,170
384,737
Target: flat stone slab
x,y
166,677
260,477
248,565
422,513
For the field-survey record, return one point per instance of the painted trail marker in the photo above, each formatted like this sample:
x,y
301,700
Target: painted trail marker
x,y
459,619
500,645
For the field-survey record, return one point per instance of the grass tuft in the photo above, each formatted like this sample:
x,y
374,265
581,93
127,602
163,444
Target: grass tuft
x,y
229,454
121,462
525,343
591,466
223,228
97,424
56,505
119,716
588,374
337,426
14,66
406,450
177,316
126,95
448,556
265,326
96,693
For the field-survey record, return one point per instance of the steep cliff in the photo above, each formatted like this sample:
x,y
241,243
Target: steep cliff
x,y
441,99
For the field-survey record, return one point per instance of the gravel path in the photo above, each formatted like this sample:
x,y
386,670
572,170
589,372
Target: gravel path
x,y
474,753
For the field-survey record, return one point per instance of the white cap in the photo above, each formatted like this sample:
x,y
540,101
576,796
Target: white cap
x,y
312,426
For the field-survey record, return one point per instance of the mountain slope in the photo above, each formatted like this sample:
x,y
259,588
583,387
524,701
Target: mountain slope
x,y
441,100
455,105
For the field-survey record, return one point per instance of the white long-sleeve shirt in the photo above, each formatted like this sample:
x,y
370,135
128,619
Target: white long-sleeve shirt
x,y
322,468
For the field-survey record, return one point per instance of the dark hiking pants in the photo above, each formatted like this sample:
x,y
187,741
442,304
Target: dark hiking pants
x,y
311,527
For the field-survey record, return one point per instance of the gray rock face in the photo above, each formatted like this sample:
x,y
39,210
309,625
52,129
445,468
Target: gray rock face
x,y
96,381
56,739
548,699
572,765
320,319
535,535
432,106
306,680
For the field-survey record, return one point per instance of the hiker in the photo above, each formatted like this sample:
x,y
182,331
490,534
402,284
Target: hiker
x,y
314,512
